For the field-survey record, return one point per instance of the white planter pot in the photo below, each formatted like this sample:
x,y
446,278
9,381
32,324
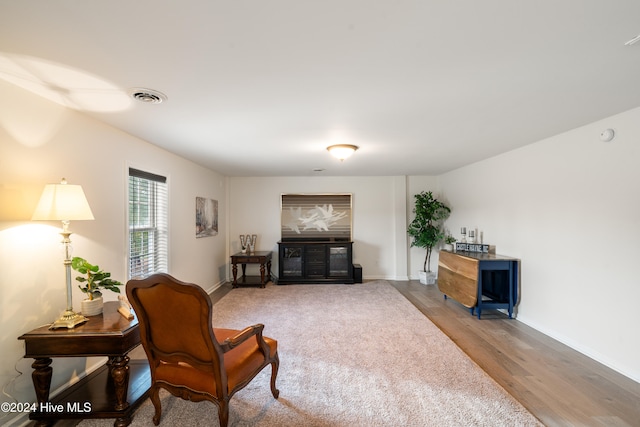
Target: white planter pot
x,y
92,307
427,277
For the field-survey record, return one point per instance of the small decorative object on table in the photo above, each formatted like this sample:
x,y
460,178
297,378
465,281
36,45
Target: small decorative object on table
x,y
125,307
248,243
449,241
95,280
474,247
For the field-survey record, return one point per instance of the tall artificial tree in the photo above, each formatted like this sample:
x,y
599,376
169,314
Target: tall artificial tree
x,y
427,227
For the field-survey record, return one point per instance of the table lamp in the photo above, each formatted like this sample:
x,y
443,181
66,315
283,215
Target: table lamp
x,y
64,202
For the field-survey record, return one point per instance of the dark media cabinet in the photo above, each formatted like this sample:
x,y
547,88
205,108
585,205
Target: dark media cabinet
x,y
315,262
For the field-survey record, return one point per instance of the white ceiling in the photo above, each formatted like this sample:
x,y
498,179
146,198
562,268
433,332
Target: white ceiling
x,y
262,87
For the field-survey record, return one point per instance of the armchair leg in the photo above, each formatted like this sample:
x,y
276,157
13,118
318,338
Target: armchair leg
x,y
155,399
274,373
223,413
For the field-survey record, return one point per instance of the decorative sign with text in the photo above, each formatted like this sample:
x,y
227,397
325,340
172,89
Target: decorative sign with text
x,y
472,247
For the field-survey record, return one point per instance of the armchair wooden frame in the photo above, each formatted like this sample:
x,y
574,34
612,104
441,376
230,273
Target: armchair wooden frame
x,y
187,356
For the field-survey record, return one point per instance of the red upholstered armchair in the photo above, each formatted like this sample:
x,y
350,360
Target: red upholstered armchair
x,y
187,356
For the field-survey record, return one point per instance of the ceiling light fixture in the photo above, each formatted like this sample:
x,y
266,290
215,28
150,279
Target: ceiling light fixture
x,y
342,151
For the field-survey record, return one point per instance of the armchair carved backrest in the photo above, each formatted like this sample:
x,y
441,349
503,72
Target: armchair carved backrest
x,y
187,356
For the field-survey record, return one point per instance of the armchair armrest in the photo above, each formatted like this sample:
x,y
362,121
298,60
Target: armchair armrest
x,y
254,330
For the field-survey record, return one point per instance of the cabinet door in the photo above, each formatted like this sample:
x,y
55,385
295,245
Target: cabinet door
x,y
291,261
315,262
339,261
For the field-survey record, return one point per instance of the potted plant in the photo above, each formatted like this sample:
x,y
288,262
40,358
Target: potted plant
x,y
426,229
94,280
449,241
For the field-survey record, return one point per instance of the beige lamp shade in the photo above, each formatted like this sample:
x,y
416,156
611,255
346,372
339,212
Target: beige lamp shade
x,y
62,202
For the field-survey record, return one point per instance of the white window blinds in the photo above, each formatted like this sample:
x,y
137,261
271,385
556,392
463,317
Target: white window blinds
x,y
148,224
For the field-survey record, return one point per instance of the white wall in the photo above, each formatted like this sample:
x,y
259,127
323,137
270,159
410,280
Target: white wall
x,y
569,208
41,142
379,242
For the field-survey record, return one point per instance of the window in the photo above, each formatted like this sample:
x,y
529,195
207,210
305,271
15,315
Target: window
x,y
148,225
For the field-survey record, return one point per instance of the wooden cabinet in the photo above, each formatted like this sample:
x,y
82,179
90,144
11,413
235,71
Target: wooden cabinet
x,y
315,262
479,280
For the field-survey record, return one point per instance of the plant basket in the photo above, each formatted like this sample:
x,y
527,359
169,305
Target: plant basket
x,y
92,307
427,277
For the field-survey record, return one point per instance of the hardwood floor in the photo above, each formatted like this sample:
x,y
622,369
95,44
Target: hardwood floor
x,y
560,386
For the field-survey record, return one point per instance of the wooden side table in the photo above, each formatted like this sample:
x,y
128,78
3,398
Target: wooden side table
x,y
112,391
479,280
259,257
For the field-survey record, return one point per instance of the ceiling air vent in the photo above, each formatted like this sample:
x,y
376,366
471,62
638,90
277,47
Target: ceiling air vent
x,y
148,96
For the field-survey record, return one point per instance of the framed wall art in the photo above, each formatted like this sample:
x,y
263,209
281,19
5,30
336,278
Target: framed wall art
x,y
316,217
206,217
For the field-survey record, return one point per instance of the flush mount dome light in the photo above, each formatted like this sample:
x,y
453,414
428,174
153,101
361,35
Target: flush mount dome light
x,y
148,96
342,151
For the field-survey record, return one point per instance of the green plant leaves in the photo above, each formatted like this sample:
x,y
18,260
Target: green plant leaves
x,y
426,229
95,278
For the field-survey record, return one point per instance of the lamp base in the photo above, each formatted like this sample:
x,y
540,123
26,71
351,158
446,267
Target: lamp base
x,y
69,320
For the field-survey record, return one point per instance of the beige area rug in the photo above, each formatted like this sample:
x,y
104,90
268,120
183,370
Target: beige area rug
x,y
350,355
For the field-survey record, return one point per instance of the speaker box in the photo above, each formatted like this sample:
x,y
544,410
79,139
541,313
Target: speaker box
x,y
357,273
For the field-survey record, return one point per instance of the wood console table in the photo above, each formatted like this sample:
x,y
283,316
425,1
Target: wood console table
x,y
259,257
112,391
479,280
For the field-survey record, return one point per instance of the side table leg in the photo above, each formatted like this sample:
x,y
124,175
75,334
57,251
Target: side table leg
x,y
269,270
234,269
262,282
41,377
119,370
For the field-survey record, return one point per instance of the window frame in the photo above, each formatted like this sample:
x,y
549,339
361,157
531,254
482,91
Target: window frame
x,y
158,224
